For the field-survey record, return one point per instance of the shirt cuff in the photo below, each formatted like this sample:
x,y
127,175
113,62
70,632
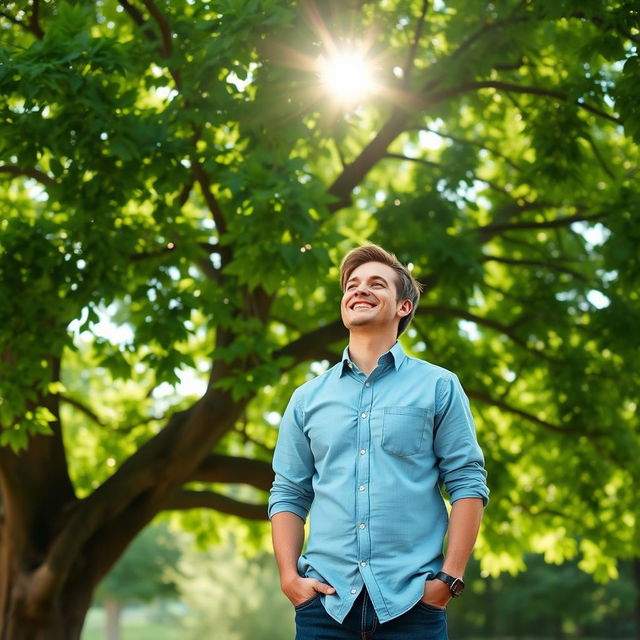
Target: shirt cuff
x,y
470,493
290,507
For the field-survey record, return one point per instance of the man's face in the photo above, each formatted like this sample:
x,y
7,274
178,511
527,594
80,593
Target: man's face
x,y
370,298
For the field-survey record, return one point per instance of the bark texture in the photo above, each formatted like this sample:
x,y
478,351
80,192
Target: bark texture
x,y
55,548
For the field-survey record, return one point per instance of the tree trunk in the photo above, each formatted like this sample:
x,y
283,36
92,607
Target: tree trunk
x,y
55,548
61,619
113,608
36,497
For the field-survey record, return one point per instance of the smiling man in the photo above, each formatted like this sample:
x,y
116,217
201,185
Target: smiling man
x,y
364,450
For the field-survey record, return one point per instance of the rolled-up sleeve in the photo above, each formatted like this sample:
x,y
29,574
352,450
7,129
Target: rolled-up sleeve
x,y
293,465
458,454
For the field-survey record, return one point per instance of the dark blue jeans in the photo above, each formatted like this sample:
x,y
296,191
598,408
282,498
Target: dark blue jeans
x,y
422,622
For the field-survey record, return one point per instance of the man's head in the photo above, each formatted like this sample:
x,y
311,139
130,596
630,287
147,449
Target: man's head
x,y
365,274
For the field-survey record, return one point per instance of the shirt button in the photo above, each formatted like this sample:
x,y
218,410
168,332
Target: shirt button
x,y
363,415
350,365
363,564
367,384
361,487
362,526
354,591
363,451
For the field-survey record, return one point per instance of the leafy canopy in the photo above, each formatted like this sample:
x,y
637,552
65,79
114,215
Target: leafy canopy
x,y
177,189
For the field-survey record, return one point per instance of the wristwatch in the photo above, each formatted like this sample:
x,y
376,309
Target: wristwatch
x,y
456,585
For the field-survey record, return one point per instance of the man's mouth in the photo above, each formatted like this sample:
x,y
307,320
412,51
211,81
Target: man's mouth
x,y
362,305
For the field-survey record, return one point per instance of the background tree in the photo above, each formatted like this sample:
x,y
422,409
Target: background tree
x,y
181,169
146,571
545,601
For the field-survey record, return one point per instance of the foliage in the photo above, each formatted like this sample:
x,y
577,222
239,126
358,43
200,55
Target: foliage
x,y
237,596
147,570
546,601
178,188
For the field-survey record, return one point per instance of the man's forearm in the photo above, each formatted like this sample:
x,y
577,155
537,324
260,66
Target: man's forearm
x,y
464,524
287,530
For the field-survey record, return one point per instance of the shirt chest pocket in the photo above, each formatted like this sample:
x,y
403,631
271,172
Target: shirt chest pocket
x,y
403,430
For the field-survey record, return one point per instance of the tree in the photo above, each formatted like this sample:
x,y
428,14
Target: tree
x,y
179,168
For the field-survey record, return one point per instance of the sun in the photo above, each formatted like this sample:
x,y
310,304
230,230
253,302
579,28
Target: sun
x,y
347,76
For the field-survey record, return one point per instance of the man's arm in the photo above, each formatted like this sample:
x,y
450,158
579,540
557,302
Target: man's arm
x,y
287,531
461,466
464,524
289,503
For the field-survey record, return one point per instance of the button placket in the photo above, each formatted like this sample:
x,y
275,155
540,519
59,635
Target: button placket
x,y
363,501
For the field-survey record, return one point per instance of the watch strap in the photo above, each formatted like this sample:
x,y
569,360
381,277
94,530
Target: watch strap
x,y
456,585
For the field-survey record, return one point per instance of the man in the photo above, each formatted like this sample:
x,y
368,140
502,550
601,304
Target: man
x,y
363,450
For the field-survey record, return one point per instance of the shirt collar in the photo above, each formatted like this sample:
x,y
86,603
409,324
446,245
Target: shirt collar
x,y
396,355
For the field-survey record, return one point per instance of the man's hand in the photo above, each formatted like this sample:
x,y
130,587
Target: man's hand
x,y
299,589
436,593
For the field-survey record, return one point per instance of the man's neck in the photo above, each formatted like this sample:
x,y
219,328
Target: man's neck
x,y
365,348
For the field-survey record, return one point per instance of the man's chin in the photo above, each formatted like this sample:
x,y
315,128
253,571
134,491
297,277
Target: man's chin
x,y
359,322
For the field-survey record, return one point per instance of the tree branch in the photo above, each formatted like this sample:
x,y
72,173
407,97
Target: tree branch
x,y
242,430
487,28
437,165
211,500
138,19
472,143
141,486
515,88
83,408
184,194
28,172
203,180
411,56
165,31
534,263
426,163
136,16
491,230
602,24
34,24
306,346
484,397
230,469
14,20
163,25
599,158
485,322
34,21
354,172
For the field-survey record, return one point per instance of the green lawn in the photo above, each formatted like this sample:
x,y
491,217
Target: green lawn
x,y
135,626
149,631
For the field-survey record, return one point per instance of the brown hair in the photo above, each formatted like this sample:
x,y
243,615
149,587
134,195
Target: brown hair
x,y
408,288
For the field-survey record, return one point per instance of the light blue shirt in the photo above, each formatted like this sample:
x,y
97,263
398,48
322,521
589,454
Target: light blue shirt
x,y
365,457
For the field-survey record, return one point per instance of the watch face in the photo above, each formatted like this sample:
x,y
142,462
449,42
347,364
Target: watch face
x,y
457,587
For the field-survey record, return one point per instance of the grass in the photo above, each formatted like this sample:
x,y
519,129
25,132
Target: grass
x,y
135,626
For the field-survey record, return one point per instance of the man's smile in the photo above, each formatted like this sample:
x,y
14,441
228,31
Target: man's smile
x,y
361,304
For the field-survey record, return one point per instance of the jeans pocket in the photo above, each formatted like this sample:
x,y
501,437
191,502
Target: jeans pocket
x,y
431,608
307,602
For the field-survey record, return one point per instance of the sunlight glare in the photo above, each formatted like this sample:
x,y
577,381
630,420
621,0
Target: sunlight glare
x,y
347,76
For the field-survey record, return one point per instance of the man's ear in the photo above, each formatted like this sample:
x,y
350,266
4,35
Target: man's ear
x,y
404,308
